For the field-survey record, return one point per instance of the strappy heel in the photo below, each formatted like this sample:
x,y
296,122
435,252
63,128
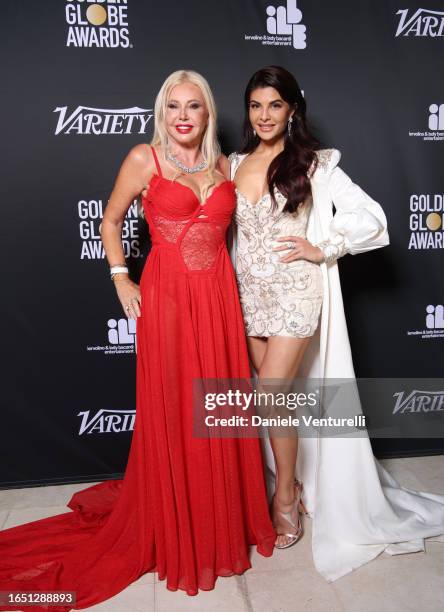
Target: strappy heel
x,y
301,506
298,507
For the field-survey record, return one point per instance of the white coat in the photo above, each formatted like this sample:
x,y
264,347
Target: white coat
x,y
358,509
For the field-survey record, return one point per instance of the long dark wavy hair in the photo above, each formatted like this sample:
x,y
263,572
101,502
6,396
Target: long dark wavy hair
x,y
288,172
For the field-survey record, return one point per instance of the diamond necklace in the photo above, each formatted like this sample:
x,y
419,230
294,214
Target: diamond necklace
x,y
179,164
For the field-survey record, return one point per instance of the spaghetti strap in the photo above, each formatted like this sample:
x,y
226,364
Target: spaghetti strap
x,y
159,171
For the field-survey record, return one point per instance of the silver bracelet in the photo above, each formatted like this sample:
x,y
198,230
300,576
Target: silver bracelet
x,y
118,269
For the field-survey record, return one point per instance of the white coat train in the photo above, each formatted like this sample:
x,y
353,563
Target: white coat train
x,y
358,509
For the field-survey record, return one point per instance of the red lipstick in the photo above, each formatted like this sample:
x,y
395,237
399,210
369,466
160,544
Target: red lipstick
x,y
184,128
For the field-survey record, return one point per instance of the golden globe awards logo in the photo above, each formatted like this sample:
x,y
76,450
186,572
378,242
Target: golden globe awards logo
x,y
97,23
90,213
426,222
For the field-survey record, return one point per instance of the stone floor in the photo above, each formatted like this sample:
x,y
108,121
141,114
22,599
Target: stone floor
x,y
287,581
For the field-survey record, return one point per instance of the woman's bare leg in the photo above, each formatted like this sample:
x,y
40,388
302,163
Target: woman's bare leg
x,y
257,348
279,357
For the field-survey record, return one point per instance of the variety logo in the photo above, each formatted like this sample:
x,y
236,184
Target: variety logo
x,y
426,222
284,27
97,23
418,401
121,337
434,323
87,120
423,22
435,123
107,421
90,214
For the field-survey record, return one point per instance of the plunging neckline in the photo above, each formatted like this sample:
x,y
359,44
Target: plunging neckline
x,y
200,204
239,192
244,156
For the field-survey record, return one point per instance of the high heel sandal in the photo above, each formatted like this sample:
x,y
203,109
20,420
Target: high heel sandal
x,y
299,507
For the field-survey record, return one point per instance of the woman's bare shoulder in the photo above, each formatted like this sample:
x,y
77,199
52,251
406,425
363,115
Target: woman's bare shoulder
x,y
140,154
139,161
223,165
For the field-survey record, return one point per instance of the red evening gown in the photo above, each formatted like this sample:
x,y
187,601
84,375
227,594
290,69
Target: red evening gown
x,y
187,507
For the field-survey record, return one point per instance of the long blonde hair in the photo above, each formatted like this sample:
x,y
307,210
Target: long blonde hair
x,y
210,147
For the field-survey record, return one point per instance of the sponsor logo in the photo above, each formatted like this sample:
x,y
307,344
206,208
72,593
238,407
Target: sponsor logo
x,y
418,401
97,121
97,23
426,221
90,213
106,421
435,316
120,336
423,22
284,27
436,117
434,323
435,124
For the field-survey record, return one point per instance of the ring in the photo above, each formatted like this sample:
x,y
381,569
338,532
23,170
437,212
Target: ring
x,y
127,307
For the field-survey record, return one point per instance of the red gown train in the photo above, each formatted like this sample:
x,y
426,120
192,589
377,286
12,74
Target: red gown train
x,y
187,507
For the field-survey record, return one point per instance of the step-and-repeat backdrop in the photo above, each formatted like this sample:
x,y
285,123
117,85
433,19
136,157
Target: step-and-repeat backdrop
x,y
79,79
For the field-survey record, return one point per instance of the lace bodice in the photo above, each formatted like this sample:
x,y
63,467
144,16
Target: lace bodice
x,y
259,227
196,232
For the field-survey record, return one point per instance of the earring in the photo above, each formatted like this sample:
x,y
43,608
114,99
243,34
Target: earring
x,y
290,121
254,133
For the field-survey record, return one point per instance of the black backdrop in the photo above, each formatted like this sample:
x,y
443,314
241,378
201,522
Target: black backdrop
x,y
79,80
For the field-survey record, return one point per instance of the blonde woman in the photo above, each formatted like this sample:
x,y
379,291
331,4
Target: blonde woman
x,y
188,507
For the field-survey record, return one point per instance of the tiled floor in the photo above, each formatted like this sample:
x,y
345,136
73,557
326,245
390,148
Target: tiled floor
x,y
288,581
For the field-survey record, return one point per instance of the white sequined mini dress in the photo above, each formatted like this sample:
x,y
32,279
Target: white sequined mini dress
x,y
278,299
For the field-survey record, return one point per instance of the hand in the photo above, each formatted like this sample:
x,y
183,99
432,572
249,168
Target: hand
x,y
129,295
303,249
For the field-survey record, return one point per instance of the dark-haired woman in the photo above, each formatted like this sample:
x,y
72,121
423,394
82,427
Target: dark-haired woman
x,y
286,245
